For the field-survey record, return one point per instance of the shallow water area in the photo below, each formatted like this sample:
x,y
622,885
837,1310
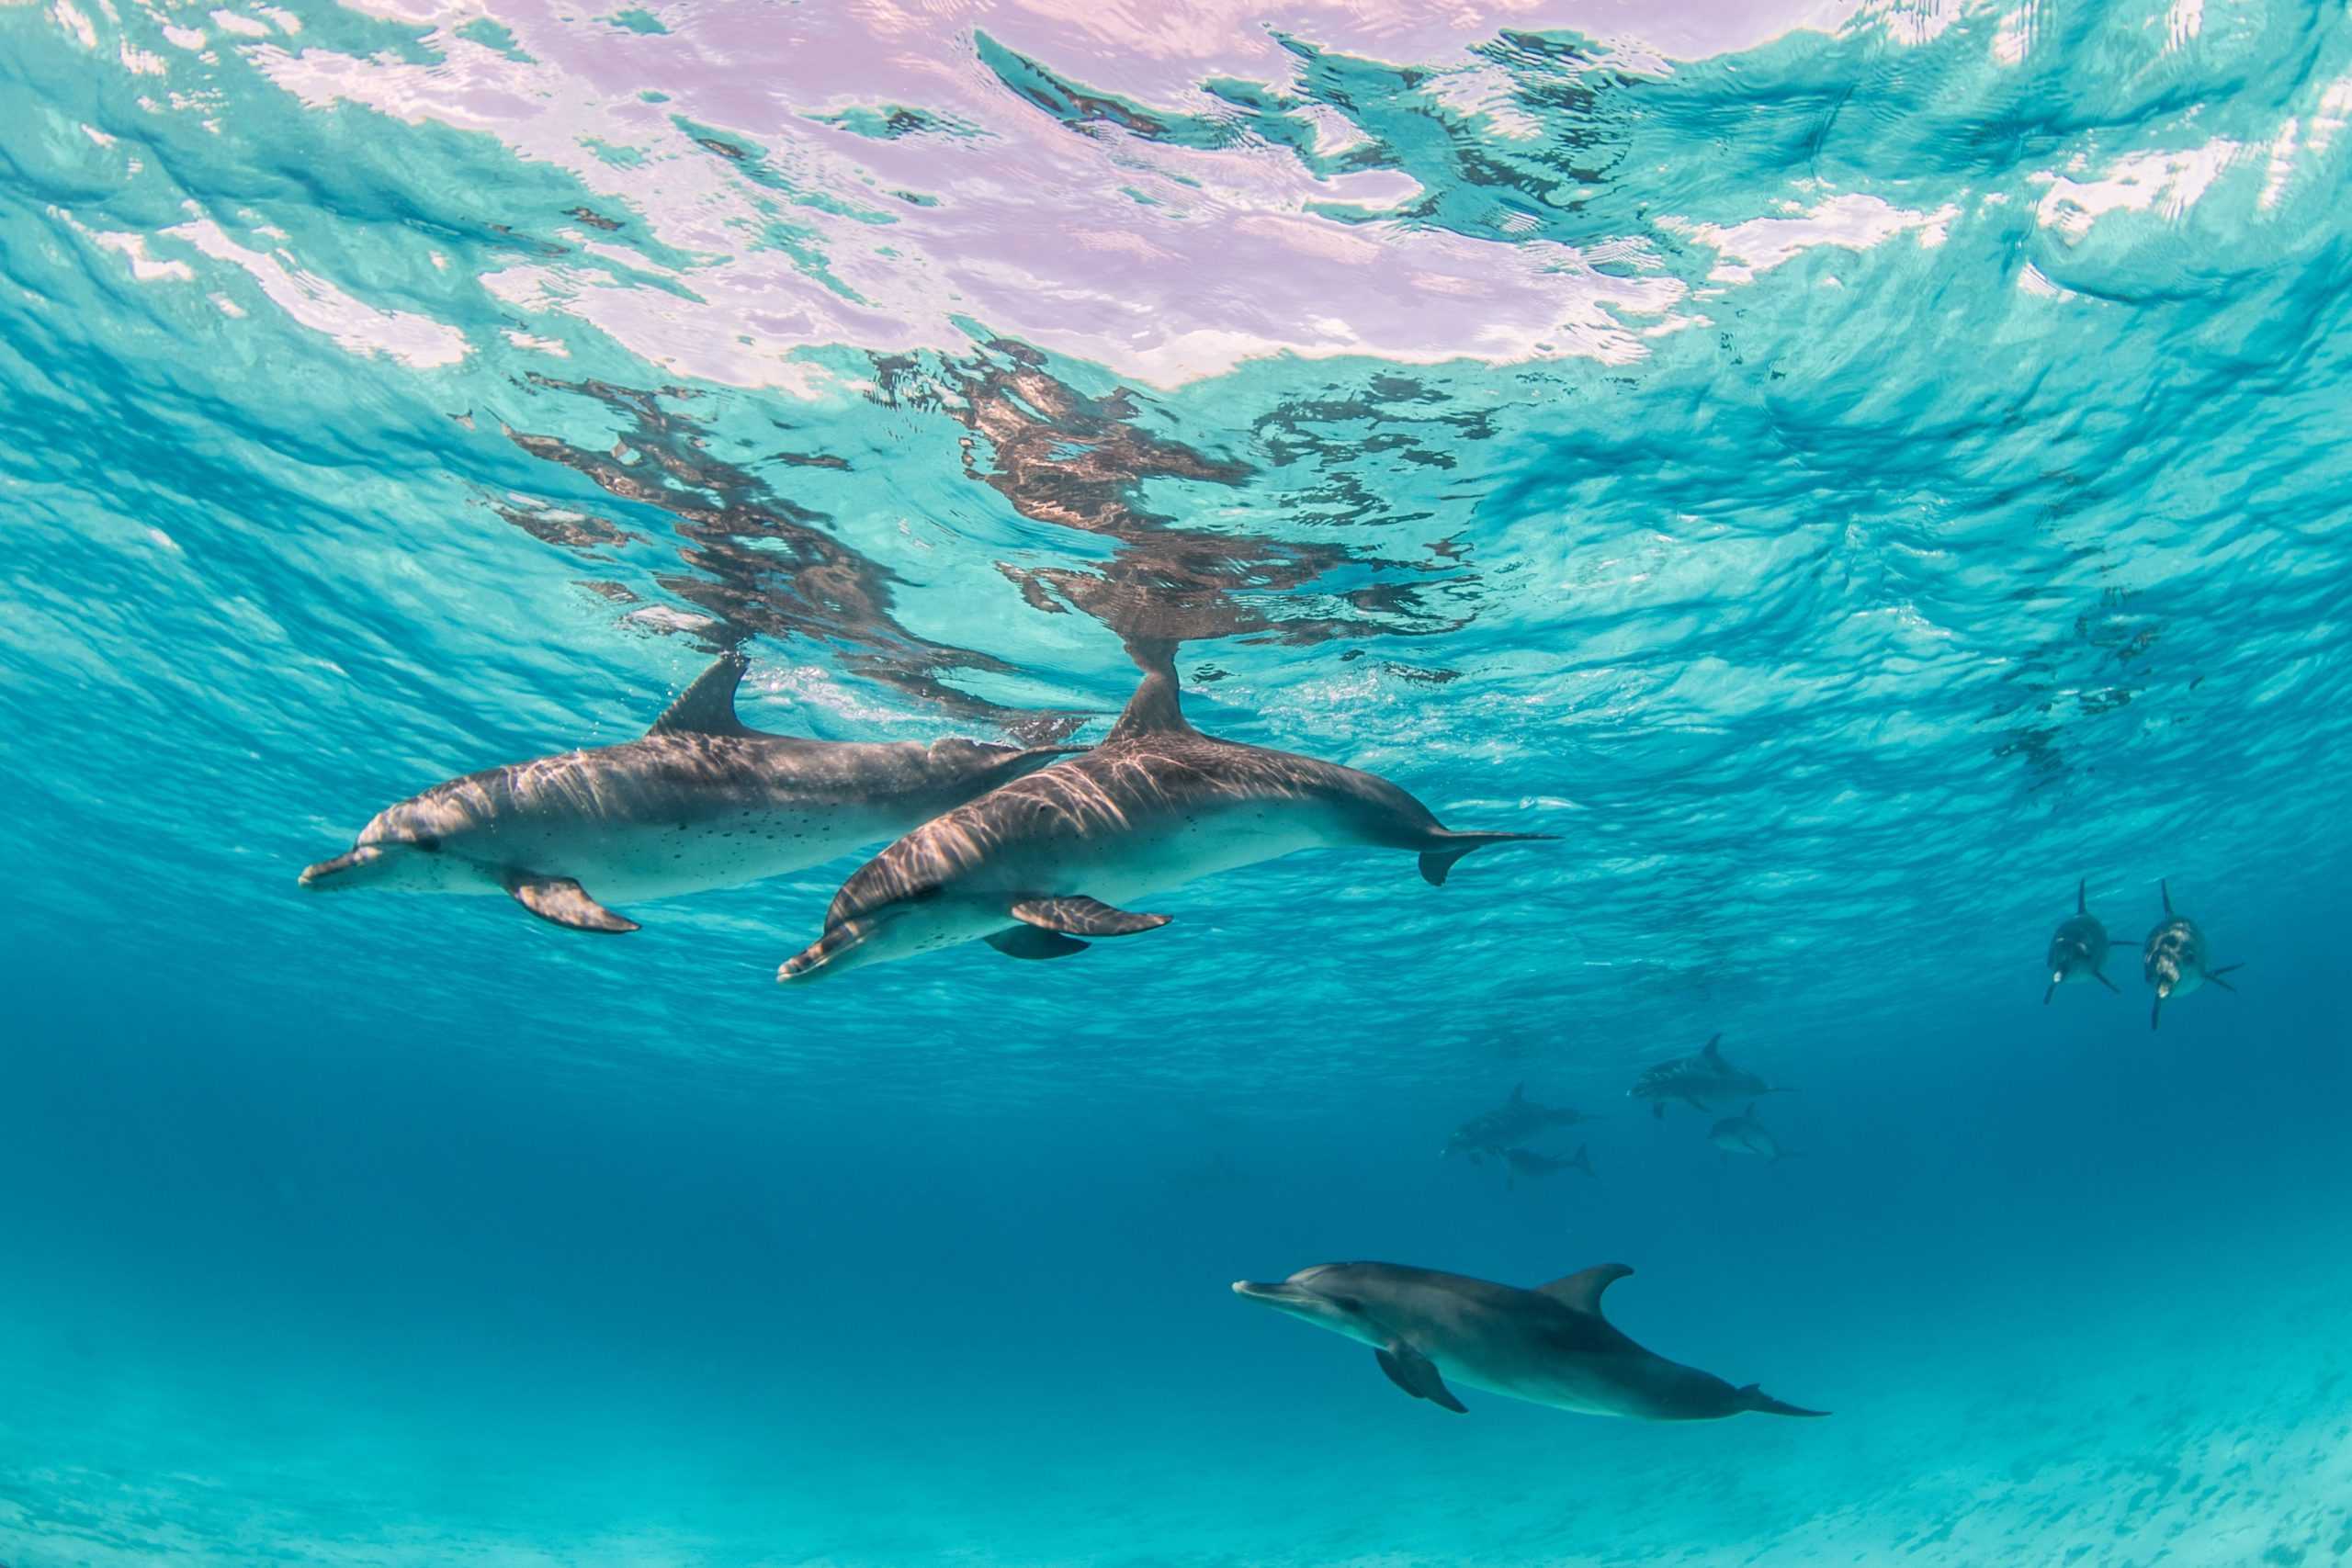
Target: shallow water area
x,y
1849,473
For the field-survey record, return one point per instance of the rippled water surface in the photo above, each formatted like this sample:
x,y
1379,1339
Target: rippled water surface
x,y
1848,472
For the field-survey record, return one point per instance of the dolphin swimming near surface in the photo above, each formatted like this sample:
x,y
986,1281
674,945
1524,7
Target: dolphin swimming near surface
x,y
1704,1082
1492,1131
2174,959
1529,1162
2077,949
700,801
1550,1345
1033,866
1744,1135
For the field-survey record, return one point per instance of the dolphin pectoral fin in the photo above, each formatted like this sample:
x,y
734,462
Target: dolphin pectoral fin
x,y
2048,991
2215,977
1416,1375
1082,915
564,902
1580,1292
1028,942
2107,983
2155,1012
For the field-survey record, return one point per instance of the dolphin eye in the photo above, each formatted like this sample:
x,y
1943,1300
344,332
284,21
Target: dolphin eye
x,y
1348,1304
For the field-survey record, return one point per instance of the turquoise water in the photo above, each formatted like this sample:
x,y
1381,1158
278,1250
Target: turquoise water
x,y
1851,473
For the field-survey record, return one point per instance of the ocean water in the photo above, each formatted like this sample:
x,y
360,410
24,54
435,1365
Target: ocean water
x,y
1849,471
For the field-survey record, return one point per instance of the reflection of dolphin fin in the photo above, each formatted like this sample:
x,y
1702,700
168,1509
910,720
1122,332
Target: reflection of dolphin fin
x,y
707,707
1416,1375
1028,942
565,902
2107,983
1580,1292
1436,862
1084,916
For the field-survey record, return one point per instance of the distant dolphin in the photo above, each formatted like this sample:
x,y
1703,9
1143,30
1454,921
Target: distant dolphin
x,y
1744,1135
1492,1131
2077,950
2174,959
1550,1344
699,801
1531,1163
1030,867
1704,1082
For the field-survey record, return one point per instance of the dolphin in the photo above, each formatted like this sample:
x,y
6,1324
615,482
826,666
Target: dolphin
x,y
1549,1345
1045,860
1493,1131
1529,1162
2077,949
2174,959
1744,1135
699,801
1704,1082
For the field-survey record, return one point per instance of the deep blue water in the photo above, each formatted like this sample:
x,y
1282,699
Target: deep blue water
x,y
1850,475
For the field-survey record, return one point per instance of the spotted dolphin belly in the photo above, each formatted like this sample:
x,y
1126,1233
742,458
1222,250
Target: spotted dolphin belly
x,y
621,862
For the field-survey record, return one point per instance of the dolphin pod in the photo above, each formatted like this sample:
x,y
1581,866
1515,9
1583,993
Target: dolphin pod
x,y
1548,1345
700,801
1039,863
2174,960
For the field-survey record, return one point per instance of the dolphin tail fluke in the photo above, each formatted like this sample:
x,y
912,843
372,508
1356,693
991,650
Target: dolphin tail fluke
x,y
1452,847
1754,1398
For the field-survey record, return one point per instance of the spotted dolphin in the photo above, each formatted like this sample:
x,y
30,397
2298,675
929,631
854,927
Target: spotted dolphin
x,y
2174,959
1744,1135
1493,1131
2077,949
1549,1345
1704,1082
1033,866
700,801
1535,1164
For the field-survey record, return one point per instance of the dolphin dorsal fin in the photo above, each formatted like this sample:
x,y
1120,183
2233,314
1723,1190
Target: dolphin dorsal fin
x,y
2163,891
1580,1292
1517,1092
707,707
1156,710
1709,1050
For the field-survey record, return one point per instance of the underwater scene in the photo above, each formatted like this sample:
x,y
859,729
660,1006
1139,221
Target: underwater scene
x,y
1293,783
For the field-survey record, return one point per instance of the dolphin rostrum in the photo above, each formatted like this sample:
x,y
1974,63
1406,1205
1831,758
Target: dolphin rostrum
x,y
1034,866
700,801
1704,1082
2174,959
1550,1345
1744,1135
1492,1131
2077,949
